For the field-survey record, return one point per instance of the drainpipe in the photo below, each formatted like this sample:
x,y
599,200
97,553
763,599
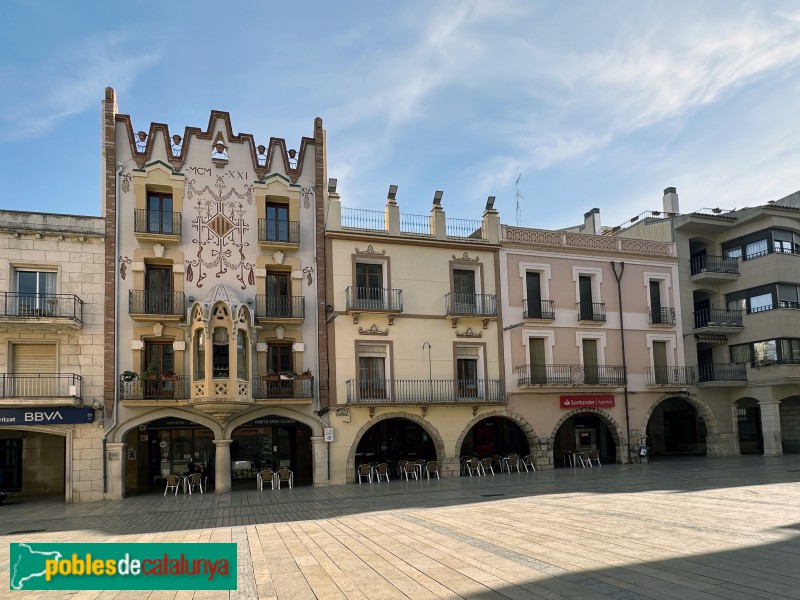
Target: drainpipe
x,y
120,166
618,277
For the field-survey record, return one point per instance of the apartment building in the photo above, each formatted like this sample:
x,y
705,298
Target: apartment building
x,y
593,345
51,355
414,318
740,286
212,285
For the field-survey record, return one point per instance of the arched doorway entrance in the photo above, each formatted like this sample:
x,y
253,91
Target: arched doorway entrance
x,y
676,428
395,439
163,446
495,435
584,431
271,441
748,423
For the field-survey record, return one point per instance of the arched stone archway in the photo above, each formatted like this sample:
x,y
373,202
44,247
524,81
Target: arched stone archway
x,y
436,438
118,436
316,425
516,418
617,433
639,436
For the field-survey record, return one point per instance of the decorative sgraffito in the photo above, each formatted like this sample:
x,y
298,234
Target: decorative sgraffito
x,y
221,224
308,271
307,195
123,268
126,182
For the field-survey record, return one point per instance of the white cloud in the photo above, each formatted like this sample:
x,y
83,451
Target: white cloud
x,y
69,84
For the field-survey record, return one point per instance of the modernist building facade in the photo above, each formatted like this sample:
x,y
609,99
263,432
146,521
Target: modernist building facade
x,y
594,351
51,355
414,319
214,278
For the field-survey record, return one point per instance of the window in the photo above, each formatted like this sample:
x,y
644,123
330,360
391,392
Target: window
x,y
220,357
533,290
756,248
467,371
790,351
585,306
788,296
464,290
34,370
159,213
279,358
590,362
660,366
160,356
785,241
740,353
199,355
538,360
36,293
765,352
277,223
242,367
369,286
158,290
372,371
656,315
279,300
733,252
760,302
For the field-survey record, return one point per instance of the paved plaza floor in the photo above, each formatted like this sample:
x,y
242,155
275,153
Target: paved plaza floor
x,y
680,529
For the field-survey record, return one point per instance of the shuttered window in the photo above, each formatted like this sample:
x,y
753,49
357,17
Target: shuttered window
x,y
34,368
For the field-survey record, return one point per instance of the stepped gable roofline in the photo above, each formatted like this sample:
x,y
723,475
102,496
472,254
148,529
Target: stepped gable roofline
x,y
190,133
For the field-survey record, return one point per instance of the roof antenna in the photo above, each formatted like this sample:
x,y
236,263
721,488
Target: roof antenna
x,y
519,196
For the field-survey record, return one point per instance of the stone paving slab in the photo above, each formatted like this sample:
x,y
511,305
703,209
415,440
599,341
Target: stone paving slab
x,y
682,529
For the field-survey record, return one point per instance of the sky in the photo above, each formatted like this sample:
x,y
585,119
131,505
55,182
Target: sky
x,y
553,107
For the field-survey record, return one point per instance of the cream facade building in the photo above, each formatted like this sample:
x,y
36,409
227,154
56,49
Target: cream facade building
x,y
51,355
739,282
214,278
414,318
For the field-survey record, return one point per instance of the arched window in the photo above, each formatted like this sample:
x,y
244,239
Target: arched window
x,y
199,355
242,368
220,354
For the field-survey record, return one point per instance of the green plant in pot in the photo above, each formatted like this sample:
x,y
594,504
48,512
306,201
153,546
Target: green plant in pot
x,y
151,372
129,376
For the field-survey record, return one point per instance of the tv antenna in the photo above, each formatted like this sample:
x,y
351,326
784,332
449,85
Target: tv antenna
x,y
519,196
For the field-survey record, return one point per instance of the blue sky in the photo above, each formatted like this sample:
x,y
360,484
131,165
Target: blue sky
x,y
595,104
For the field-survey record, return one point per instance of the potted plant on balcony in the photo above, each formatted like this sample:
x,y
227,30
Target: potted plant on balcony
x,y
270,376
129,376
151,372
170,375
305,375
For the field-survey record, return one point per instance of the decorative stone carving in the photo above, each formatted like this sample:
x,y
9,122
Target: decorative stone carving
x,y
123,269
280,331
277,256
469,333
371,250
373,330
158,329
158,250
465,257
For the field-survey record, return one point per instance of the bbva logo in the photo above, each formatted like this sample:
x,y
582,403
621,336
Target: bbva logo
x,y
41,415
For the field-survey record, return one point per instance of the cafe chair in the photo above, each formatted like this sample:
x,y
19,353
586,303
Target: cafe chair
x,y
286,476
473,466
382,470
527,462
581,458
401,467
364,472
172,484
266,476
513,463
487,464
431,469
411,470
594,458
195,482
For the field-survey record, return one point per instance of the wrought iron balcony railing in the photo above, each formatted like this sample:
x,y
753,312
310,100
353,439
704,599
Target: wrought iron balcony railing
x,y
717,317
424,391
40,385
541,309
156,222
460,304
664,315
280,307
280,232
714,264
65,306
155,302
722,372
365,298
671,375
592,311
268,387
158,387
570,375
